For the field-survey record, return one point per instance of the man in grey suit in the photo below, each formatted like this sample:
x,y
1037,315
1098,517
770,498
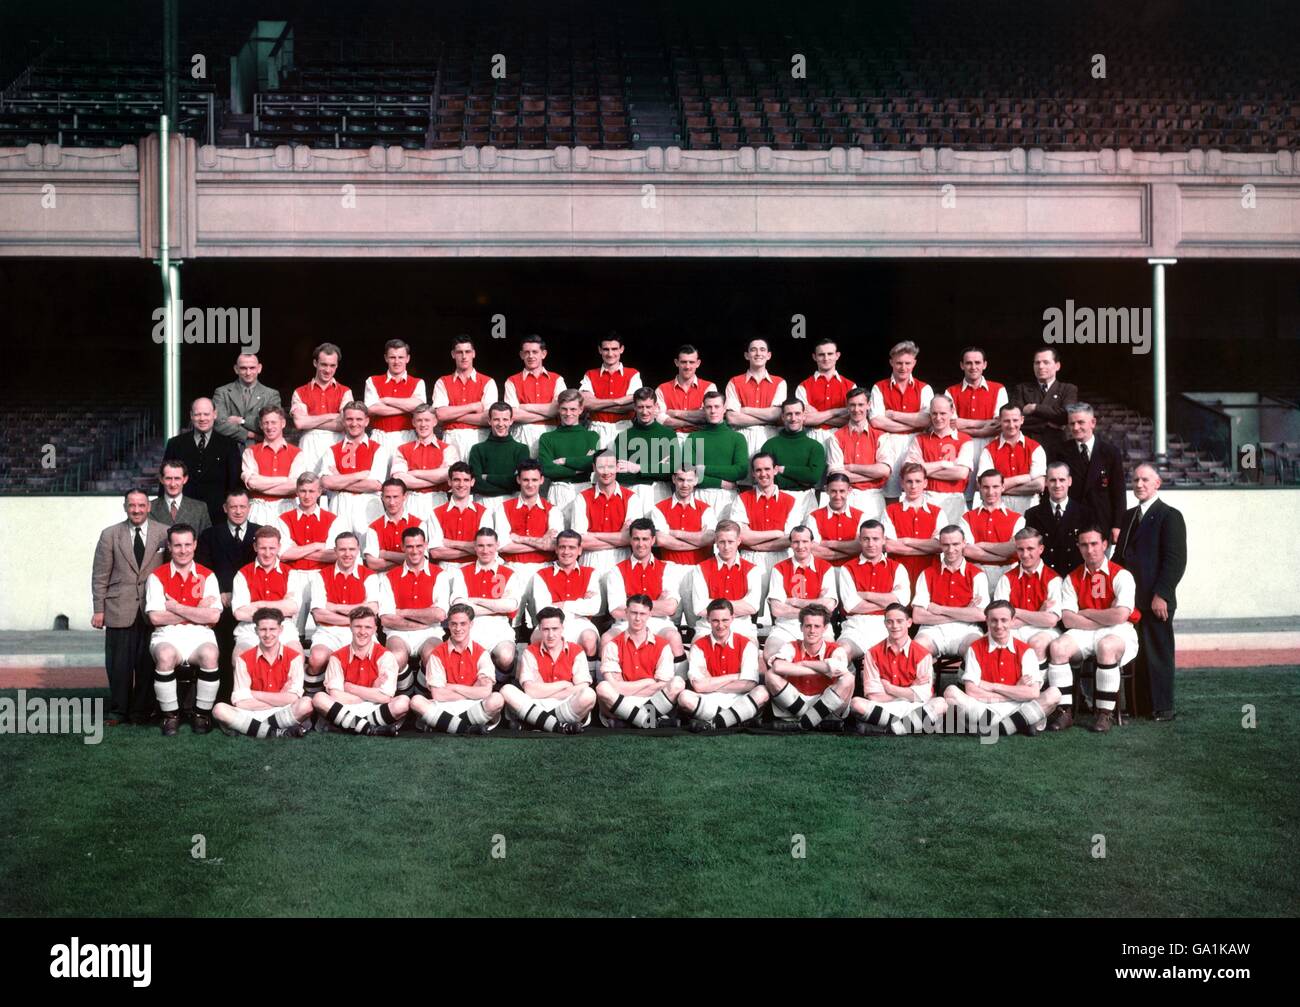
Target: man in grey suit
x,y
239,402
172,506
126,555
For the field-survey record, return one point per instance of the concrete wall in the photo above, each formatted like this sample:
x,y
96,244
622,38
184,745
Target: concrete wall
x,y
296,202
1254,578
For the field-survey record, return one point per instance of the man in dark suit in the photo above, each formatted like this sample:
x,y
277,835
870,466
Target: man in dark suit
x,y
126,555
224,549
1153,547
212,458
172,506
1043,401
1096,469
1059,520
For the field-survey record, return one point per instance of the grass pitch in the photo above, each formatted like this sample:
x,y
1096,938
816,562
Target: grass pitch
x,y
1199,818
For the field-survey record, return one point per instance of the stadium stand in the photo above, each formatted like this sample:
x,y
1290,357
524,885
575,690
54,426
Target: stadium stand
x,y
703,77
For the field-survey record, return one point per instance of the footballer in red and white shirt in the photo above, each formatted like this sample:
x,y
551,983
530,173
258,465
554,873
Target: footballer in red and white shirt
x,y
723,686
458,520
526,526
182,601
461,399
1001,689
795,583
266,700
603,516
270,469
947,456
950,598
727,575
495,591
422,465
977,401
753,399
835,526
1099,614
898,683
307,528
361,682
267,583
532,394
638,686
315,406
856,450
681,401
866,586
991,528
334,592
413,602
684,530
608,389
393,396
1021,460
642,573
810,680
900,408
825,393
459,677
382,549
1034,590
912,524
354,470
554,692
573,589
765,515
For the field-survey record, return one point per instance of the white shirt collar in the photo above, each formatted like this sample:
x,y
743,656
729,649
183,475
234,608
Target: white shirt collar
x,y
731,635
913,504
395,520
862,559
276,567
473,376
981,383
494,566
1144,507
468,503
758,377
396,377
237,527
831,375
723,564
309,513
648,561
616,369
994,645
356,570
690,384
960,568
540,372
408,569
1035,571
1002,441
772,491
677,502
537,502
952,432
275,656
177,573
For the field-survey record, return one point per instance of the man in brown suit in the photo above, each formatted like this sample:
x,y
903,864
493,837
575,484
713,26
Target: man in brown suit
x,y
125,556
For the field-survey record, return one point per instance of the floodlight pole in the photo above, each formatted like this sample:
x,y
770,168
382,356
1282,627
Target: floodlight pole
x,y
170,271
1159,421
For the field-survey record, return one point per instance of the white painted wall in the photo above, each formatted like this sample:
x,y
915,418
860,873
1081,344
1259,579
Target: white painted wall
x,y
1255,578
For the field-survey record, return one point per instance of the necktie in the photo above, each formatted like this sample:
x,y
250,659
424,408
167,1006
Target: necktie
x,y
1083,451
1058,512
139,549
173,510
239,534
1044,388
203,441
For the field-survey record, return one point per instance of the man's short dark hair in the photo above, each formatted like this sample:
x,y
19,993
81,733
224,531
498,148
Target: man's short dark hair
x,y
720,605
180,529
412,531
459,467
815,609
390,481
267,613
550,612
173,463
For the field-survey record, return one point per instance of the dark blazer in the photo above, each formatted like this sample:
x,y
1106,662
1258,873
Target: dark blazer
x,y
1060,538
117,582
214,471
191,511
1155,552
1101,485
1046,423
218,553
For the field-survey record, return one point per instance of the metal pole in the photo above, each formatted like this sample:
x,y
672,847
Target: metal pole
x,y
171,345
1160,390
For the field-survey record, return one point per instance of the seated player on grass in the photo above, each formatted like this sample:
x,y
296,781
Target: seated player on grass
x,y
361,682
639,686
724,689
898,683
811,680
459,676
1001,688
267,699
554,692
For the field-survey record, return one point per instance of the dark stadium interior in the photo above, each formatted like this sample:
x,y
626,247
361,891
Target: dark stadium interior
x,y
699,75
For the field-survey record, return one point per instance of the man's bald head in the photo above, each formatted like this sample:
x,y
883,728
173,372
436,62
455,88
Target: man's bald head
x,y
202,415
